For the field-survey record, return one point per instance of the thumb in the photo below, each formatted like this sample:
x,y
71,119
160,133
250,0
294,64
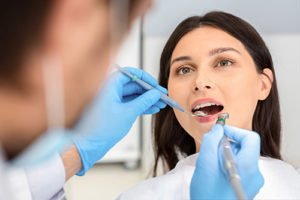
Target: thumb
x,y
211,140
144,101
215,134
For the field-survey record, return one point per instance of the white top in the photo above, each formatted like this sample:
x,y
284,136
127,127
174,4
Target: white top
x,y
43,182
46,181
282,181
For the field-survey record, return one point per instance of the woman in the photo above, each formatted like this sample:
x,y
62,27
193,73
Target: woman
x,y
213,64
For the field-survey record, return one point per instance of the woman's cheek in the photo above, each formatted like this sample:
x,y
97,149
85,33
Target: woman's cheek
x,y
178,90
241,104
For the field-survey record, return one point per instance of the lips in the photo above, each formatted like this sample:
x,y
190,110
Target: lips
x,y
208,109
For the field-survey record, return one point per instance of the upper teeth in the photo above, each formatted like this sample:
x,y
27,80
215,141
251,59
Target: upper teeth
x,y
205,105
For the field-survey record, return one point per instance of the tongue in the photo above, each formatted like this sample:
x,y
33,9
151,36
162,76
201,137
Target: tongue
x,y
211,110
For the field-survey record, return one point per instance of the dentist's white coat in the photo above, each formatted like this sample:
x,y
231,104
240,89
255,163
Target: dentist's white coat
x,y
44,182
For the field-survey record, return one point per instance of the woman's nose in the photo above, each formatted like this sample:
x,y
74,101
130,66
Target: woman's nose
x,y
202,83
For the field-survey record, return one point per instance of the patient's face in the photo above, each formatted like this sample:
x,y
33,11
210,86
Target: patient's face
x,y
211,73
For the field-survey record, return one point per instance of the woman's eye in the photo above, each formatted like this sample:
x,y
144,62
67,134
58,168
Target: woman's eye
x,y
184,70
224,63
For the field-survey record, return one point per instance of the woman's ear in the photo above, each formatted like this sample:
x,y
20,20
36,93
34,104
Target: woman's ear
x,y
266,83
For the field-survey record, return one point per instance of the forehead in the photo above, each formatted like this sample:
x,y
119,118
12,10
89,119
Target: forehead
x,y
202,40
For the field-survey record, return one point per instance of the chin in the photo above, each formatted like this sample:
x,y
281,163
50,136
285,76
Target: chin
x,y
198,131
205,127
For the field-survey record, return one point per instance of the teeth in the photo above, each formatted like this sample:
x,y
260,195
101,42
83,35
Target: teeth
x,y
200,113
204,105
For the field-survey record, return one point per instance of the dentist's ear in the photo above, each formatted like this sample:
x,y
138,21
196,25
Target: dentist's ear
x,y
266,83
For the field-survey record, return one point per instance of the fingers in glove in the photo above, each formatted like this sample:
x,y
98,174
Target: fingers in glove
x,y
154,109
142,75
144,101
248,140
132,88
210,143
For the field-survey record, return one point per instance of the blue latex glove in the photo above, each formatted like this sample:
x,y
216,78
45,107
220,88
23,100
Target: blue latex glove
x,y
209,180
113,112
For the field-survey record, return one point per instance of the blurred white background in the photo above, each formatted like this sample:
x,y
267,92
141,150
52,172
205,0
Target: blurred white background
x,y
279,24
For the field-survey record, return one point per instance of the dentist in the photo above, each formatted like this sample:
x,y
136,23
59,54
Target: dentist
x,y
54,58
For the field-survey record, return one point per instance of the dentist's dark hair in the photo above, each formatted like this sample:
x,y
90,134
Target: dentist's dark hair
x,y
170,139
22,24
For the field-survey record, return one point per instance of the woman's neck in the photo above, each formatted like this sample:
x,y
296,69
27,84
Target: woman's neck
x,y
198,146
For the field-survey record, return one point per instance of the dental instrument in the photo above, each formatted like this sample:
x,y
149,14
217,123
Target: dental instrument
x,y
229,162
163,97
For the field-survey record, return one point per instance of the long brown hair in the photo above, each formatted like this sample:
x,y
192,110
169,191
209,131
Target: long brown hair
x,y
170,139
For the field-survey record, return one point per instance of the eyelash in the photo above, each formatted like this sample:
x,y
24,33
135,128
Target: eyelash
x,y
178,71
222,60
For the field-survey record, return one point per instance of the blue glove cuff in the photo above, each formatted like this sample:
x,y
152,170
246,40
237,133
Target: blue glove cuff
x,y
85,165
81,172
91,154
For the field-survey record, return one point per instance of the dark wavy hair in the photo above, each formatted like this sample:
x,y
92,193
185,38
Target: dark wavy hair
x,y
170,139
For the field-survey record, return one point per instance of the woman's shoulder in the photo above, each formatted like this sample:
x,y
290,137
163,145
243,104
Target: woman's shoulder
x,y
271,166
281,179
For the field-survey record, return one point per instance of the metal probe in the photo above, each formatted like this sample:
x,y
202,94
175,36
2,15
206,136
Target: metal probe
x,y
229,162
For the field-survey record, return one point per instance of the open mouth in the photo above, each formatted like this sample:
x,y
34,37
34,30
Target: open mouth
x,y
207,109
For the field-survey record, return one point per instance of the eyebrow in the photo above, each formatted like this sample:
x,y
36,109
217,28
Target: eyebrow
x,y
211,53
221,50
181,58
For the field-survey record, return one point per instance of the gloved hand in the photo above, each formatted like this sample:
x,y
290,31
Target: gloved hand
x,y
113,112
209,180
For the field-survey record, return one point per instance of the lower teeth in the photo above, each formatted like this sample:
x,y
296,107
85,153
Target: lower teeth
x,y
201,114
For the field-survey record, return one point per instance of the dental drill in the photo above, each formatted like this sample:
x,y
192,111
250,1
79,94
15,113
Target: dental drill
x,y
229,162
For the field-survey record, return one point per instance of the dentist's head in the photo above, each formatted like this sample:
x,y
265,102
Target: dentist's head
x,y
75,41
